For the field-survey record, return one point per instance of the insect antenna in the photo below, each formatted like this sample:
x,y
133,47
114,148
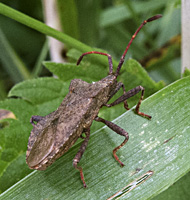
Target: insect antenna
x,y
133,37
97,52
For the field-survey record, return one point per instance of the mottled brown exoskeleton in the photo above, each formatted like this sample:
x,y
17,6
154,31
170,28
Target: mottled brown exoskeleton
x,y
54,134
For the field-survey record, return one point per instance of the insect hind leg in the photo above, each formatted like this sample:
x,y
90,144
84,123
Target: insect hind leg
x,y
119,131
79,154
129,94
35,118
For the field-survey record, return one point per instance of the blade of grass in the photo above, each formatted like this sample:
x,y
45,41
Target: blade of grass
x,y
14,65
161,145
178,191
38,66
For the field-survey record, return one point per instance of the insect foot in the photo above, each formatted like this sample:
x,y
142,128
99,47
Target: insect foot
x,y
55,133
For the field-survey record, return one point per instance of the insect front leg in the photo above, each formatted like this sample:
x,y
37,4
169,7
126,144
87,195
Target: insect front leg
x,y
35,118
119,131
119,85
79,154
129,94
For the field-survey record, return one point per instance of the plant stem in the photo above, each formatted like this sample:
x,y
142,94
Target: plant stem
x,y
41,27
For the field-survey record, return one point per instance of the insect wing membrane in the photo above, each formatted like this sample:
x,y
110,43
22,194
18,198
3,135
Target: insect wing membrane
x,y
42,147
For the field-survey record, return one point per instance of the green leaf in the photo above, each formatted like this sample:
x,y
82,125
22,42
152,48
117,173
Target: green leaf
x,y
161,145
20,108
86,72
13,145
38,90
172,16
186,72
14,171
136,75
179,190
116,14
45,94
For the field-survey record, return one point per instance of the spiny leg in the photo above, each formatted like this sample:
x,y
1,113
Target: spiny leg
x,y
97,52
119,131
79,154
113,92
125,101
119,85
129,94
139,103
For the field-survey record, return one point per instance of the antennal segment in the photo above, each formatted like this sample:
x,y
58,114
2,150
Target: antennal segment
x,y
97,52
133,37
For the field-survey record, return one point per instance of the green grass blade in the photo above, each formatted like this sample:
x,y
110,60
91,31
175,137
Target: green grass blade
x,y
161,145
43,54
178,191
14,65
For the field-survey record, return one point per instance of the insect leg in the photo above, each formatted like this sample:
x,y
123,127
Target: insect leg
x,y
35,118
119,85
129,94
79,154
113,92
119,131
97,52
125,102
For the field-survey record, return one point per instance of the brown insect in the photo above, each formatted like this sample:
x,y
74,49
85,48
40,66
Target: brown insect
x,y
54,134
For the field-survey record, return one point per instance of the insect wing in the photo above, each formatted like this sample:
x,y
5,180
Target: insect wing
x,y
42,146
71,121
